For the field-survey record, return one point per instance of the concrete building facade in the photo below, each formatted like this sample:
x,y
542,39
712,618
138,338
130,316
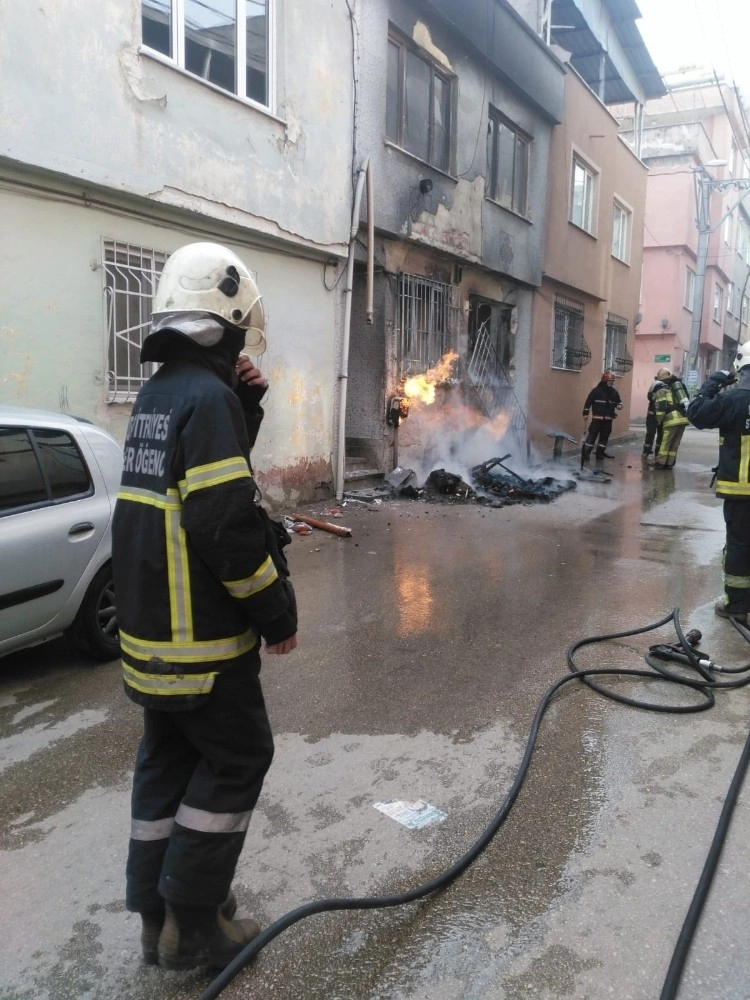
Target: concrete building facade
x,y
132,128
694,300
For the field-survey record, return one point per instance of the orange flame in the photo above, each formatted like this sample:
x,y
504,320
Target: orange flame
x,y
422,387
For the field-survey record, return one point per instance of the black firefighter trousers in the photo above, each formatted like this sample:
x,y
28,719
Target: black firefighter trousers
x,y
198,775
737,554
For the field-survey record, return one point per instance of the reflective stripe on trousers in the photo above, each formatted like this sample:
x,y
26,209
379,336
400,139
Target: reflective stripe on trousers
x,y
198,775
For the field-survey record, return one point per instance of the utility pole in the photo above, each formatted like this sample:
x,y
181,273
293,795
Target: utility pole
x,y
705,184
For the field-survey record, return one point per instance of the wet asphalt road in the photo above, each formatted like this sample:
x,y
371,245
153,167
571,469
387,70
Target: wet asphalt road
x,y
426,642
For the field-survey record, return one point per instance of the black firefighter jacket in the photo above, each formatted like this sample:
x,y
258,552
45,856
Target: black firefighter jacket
x,y
730,412
197,573
603,400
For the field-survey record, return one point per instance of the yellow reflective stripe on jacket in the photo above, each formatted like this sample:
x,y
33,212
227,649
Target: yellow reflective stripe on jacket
x,y
674,419
730,487
743,470
207,651
169,502
168,684
178,578
263,577
202,476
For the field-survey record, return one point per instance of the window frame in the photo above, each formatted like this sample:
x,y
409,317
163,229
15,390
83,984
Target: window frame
x,y
131,274
36,449
423,322
405,48
718,303
589,215
617,358
621,251
569,350
176,56
519,200
689,300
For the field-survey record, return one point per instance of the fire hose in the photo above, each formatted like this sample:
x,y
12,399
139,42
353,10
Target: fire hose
x,y
684,653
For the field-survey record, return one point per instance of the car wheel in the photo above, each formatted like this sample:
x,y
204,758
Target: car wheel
x,y
95,627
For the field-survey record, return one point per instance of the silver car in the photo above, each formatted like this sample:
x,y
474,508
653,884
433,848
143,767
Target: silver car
x,y
59,477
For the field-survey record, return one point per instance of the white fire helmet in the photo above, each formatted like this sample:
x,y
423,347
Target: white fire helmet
x,y
208,278
743,356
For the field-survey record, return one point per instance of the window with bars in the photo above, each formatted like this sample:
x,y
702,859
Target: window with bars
x,y
423,323
225,42
616,356
131,274
569,348
418,104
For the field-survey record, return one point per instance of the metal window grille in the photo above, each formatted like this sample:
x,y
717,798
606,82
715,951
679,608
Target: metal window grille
x,y
130,277
616,355
569,348
492,382
424,308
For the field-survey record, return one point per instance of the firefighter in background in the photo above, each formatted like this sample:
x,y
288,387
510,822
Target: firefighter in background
x,y
603,401
200,580
652,440
730,412
670,406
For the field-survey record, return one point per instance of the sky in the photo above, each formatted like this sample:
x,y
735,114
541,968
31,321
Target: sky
x,y
682,34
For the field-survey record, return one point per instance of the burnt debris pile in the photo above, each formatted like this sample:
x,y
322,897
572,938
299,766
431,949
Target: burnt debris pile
x,y
493,484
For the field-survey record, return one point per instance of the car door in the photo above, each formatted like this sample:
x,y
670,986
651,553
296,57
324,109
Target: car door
x,y
54,511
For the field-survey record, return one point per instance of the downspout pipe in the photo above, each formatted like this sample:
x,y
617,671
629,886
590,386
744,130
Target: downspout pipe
x,y
365,174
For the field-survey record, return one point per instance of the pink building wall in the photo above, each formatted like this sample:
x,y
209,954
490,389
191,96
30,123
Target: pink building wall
x,y
581,267
689,127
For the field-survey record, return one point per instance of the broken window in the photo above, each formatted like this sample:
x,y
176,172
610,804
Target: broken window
x,y
616,356
492,359
418,104
569,348
508,163
131,274
225,42
423,328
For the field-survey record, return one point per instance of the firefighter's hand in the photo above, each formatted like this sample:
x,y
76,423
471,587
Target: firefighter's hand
x,y
716,382
249,374
283,647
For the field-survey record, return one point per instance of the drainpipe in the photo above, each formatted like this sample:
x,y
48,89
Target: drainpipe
x,y
365,173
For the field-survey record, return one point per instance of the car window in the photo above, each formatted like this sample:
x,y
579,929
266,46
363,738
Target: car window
x,y
62,463
39,466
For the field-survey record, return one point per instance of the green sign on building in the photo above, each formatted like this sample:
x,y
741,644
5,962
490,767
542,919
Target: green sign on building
x,y
662,357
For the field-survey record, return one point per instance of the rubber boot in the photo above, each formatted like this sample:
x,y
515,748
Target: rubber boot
x,y
153,921
195,937
586,454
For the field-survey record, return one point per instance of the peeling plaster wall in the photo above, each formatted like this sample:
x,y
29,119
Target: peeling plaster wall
x,y
82,101
99,141
455,216
454,225
53,344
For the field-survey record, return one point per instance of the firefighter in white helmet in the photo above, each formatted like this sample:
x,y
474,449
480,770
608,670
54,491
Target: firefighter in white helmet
x,y
200,580
718,405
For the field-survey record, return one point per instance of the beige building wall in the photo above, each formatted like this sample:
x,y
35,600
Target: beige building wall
x,y
580,266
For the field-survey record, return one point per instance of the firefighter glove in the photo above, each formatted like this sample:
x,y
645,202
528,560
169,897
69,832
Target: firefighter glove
x,y
716,382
